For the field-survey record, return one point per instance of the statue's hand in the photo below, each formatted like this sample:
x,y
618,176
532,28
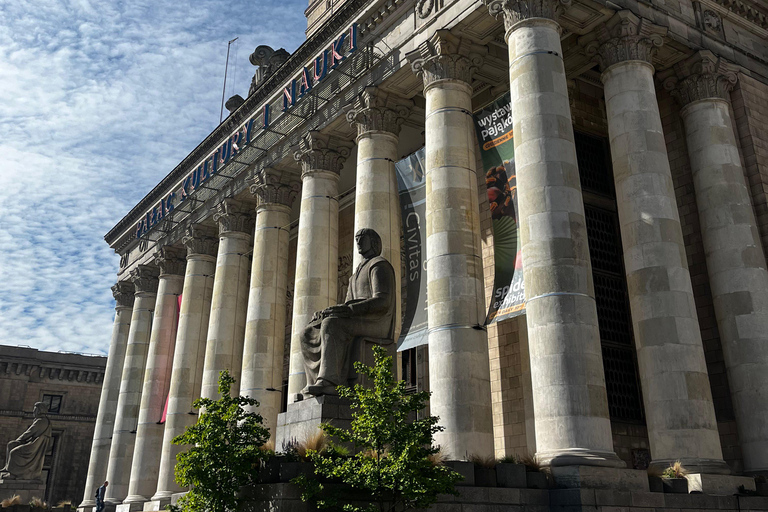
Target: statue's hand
x,y
342,310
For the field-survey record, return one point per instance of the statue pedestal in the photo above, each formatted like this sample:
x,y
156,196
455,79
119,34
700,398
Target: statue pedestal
x,y
302,419
26,489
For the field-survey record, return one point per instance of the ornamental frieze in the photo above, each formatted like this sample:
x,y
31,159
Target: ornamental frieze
x,y
320,152
199,239
514,11
124,294
375,110
272,186
144,278
623,38
446,57
700,77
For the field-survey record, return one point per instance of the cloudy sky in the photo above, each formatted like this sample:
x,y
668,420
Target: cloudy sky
x,y
98,102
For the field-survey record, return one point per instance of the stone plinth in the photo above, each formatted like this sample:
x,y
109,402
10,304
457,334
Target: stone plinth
x,y
725,485
129,507
302,419
597,477
157,505
26,489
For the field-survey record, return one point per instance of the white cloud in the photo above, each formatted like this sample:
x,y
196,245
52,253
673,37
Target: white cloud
x,y
98,102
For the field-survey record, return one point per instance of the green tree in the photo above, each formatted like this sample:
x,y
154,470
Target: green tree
x,y
225,451
393,465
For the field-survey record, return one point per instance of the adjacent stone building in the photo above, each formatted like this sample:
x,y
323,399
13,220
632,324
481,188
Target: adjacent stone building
x,y
641,161
70,385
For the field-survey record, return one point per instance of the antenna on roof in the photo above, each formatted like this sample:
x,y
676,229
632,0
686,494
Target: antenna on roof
x,y
224,89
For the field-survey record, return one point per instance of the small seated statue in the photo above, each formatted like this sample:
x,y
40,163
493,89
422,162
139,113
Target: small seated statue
x,y
26,454
369,311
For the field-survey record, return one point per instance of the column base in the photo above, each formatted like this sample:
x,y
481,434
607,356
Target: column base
x,y
135,498
580,457
87,504
175,497
596,477
130,507
708,466
156,505
718,484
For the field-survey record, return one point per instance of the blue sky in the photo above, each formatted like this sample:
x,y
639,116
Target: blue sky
x,y
98,102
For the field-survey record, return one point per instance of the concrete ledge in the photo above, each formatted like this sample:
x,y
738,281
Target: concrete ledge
x,y
718,484
596,477
130,507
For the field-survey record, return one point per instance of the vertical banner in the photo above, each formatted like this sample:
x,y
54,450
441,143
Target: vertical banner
x,y
411,184
494,133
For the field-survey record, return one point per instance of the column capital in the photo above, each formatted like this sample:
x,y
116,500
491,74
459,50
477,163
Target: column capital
x,y
622,38
375,110
273,186
700,77
445,56
124,294
171,260
233,215
199,239
514,11
144,278
320,152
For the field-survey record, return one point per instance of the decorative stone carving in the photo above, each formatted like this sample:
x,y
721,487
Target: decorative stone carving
x,y
171,261
234,102
268,61
234,215
712,21
199,239
376,110
515,11
446,57
700,77
144,278
368,312
271,186
124,294
320,152
26,454
624,37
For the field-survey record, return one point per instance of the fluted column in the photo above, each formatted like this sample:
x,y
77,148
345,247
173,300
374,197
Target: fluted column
x,y
317,248
189,354
568,380
145,281
123,292
149,434
263,350
678,401
735,259
459,371
224,346
378,116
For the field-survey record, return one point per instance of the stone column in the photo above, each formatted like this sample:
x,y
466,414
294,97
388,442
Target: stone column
x,y
145,281
459,371
123,292
378,116
568,380
262,376
317,249
735,260
149,434
673,373
224,348
189,353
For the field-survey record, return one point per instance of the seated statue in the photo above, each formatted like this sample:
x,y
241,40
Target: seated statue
x,y
369,311
25,456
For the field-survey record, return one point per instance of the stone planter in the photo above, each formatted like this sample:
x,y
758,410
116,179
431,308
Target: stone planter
x,y
465,469
485,477
675,485
655,484
269,473
761,488
511,475
290,470
536,480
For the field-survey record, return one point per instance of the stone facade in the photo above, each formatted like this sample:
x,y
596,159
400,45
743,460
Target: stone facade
x,y
72,383
642,176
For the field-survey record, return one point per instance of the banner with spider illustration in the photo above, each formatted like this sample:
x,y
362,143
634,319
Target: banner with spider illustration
x,y
494,133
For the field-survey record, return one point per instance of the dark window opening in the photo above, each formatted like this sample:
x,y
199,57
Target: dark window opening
x,y
53,402
409,370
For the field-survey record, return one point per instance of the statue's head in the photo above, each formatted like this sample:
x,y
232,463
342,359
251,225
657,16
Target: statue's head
x,y
41,409
368,242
